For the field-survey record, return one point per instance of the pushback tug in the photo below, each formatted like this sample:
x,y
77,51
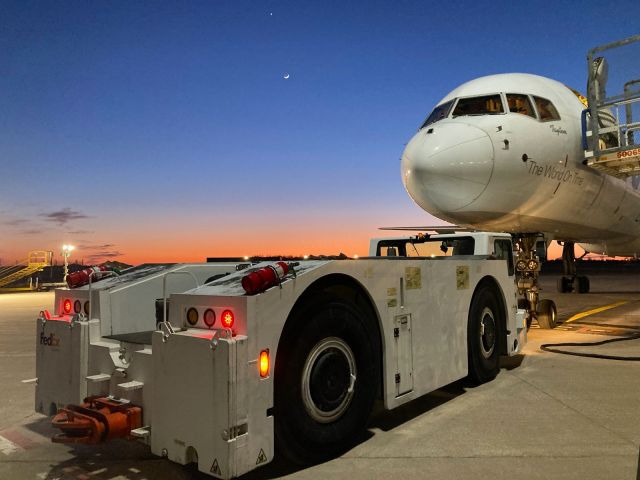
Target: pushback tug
x,y
217,364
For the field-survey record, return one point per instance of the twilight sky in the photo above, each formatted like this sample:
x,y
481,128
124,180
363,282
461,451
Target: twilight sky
x,y
167,131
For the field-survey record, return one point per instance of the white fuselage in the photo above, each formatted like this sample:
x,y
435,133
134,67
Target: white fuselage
x,y
512,172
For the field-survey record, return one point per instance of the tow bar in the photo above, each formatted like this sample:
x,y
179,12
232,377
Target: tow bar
x,y
97,420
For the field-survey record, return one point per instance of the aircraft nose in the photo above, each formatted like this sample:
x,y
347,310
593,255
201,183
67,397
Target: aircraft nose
x,y
448,166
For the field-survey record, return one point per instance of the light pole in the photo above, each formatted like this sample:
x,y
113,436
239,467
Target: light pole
x,y
66,252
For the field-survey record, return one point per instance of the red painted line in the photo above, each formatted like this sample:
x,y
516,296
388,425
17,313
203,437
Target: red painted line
x,y
18,438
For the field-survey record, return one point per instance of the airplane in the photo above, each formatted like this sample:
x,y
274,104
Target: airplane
x,y
505,153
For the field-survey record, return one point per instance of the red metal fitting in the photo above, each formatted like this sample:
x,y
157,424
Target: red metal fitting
x,y
97,420
259,280
81,277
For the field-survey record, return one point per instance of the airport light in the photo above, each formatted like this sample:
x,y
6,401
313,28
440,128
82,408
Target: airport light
x,y
66,252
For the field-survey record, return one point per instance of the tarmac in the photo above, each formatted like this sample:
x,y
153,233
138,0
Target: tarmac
x,y
546,415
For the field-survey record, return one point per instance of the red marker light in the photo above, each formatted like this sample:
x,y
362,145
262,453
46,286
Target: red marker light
x,y
209,317
67,306
264,363
227,319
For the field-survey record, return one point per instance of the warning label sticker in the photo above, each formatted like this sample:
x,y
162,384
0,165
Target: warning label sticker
x,y
413,277
261,457
462,277
215,468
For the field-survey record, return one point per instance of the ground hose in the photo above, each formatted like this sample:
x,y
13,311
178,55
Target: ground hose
x,y
551,347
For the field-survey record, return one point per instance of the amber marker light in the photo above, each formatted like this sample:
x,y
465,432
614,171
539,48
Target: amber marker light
x,y
192,316
264,363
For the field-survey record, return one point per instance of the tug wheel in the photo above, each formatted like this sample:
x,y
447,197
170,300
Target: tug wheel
x,y
326,379
484,334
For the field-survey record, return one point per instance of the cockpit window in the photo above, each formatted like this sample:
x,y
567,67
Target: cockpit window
x,y
440,112
519,103
485,105
546,110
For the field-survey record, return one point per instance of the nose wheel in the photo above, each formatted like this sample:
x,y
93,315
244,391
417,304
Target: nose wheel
x,y
547,314
527,275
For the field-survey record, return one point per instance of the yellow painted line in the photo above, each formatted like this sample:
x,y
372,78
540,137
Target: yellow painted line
x,y
578,316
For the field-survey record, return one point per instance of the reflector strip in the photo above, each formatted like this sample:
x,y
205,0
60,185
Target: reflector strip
x,y
264,363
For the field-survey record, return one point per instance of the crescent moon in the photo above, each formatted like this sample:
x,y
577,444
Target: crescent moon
x,y
286,76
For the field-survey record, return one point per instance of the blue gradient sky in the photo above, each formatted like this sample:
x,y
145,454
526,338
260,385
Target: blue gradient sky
x,y
159,131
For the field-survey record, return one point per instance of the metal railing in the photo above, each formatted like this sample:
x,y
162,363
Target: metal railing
x,y
608,125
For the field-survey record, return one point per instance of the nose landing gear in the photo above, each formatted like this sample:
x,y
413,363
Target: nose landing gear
x,y
570,281
527,273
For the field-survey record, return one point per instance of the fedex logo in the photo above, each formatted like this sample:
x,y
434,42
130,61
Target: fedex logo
x,y
50,340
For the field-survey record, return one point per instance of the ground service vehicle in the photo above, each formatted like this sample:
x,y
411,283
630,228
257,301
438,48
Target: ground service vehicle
x,y
227,376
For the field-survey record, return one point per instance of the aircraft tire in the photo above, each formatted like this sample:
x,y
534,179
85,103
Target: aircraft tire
x,y
564,284
326,380
484,333
547,314
583,284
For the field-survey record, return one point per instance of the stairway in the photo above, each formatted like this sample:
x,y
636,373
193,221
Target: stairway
x,y
14,277
37,260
